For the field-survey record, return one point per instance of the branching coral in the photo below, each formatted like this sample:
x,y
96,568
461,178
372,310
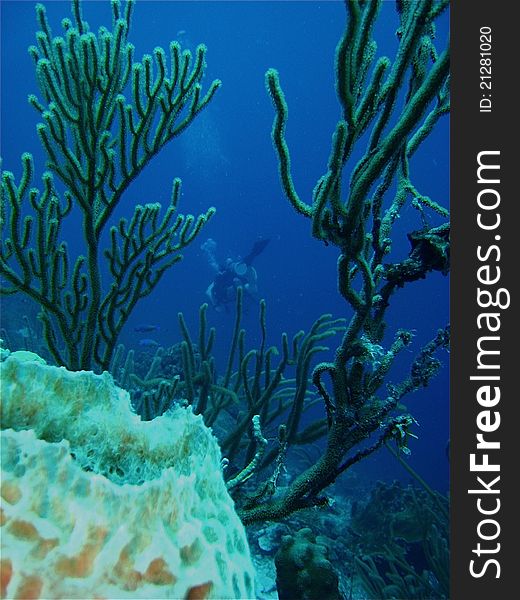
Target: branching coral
x,y
357,218
263,392
263,402
97,141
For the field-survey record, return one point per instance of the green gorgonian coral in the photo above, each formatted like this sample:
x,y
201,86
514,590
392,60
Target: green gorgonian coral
x,y
104,117
388,108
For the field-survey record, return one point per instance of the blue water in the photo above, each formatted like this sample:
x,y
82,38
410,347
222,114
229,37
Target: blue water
x,y
226,159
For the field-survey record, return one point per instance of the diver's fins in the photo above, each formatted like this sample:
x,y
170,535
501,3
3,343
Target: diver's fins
x,y
258,248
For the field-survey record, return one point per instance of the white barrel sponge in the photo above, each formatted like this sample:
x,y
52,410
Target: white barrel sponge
x,y
99,504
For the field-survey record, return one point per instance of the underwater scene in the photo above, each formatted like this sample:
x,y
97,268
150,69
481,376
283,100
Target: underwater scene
x,y
225,299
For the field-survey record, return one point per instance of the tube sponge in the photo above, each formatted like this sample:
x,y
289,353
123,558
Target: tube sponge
x,y
98,504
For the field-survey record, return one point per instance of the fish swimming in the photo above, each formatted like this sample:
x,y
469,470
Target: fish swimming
x,y
147,343
146,328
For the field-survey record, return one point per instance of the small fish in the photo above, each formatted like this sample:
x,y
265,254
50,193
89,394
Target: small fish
x,y
147,343
146,328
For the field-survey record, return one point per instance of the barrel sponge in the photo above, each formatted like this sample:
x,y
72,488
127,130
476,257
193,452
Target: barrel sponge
x,y
96,503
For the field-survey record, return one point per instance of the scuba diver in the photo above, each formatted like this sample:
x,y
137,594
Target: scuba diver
x,y
232,275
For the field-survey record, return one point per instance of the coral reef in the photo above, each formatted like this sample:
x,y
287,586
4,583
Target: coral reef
x,y
116,498
97,142
98,504
400,539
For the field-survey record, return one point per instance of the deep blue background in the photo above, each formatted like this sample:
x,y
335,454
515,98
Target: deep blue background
x,y
226,160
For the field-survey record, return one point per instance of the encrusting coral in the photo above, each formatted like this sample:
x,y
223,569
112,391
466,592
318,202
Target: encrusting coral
x,y
99,504
303,570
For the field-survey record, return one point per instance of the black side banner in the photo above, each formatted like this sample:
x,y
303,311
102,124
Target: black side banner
x,y
484,353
